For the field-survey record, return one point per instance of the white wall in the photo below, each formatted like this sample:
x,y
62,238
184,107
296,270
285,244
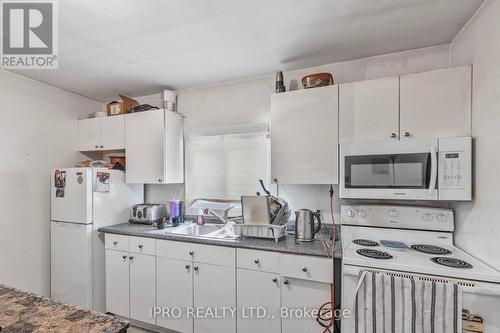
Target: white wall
x,y
38,131
248,102
478,222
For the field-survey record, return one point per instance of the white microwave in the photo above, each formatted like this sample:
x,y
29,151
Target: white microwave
x,y
433,169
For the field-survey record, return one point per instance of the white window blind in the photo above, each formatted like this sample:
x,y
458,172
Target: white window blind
x,y
227,165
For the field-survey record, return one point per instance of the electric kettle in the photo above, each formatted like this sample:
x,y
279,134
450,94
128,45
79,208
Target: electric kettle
x,y
304,224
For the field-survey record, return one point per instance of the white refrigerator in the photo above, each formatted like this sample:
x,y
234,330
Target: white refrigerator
x,y
82,201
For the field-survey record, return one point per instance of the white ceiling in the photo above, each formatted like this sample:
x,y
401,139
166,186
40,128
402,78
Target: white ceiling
x,y
136,47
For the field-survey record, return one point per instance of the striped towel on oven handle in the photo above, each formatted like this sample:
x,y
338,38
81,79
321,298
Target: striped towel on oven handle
x,y
392,303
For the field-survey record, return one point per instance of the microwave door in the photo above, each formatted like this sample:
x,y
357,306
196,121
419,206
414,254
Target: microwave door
x,y
390,176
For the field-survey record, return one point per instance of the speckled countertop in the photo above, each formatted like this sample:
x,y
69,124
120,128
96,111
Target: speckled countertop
x,y
287,244
25,312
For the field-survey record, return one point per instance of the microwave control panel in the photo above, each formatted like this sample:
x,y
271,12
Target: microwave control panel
x,y
452,168
455,168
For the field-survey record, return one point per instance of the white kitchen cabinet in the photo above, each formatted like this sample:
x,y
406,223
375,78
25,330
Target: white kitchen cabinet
x,y
117,282
130,280
300,294
174,288
214,287
369,110
113,132
154,147
436,104
89,134
142,287
106,133
258,289
304,136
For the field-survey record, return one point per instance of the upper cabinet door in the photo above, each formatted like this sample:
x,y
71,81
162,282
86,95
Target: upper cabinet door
x,y
304,136
89,134
144,147
369,110
113,133
436,104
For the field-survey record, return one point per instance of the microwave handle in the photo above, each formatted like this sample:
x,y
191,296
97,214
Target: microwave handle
x,y
434,169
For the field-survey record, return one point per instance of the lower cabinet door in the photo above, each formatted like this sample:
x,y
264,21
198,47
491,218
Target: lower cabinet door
x,y
174,294
215,296
117,282
142,287
298,296
259,301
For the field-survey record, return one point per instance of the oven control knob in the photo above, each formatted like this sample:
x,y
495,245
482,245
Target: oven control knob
x,y
428,217
441,217
393,212
362,213
350,212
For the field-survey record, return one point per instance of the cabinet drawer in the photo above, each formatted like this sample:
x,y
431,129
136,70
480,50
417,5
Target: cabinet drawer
x,y
142,245
258,260
307,268
209,254
117,242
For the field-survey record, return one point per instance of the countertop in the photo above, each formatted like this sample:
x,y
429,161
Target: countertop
x,y
287,244
25,312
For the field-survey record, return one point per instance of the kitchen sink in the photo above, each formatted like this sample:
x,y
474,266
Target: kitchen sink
x,y
215,231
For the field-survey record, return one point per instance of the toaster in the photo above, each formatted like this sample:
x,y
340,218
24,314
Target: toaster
x,y
148,213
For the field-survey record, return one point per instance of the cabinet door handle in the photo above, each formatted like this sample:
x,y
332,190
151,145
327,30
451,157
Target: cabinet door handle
x,y
191,253
141,246
115,243
96,146
188,266
304,269
124,257
285,282
159,180
131,257
393,135
195,268
407,134
101,146
256,261
275,280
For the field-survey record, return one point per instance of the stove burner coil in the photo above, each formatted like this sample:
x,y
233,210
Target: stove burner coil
x,y
365,242
374,254
451,262
430,249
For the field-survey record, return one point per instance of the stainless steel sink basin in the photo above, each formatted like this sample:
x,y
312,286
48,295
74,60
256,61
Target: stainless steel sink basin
x,y
215,231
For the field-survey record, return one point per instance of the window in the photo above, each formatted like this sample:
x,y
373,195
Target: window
x,y
226,163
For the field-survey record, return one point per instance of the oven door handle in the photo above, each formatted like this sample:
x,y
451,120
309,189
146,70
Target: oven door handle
x,y
481,291
434,169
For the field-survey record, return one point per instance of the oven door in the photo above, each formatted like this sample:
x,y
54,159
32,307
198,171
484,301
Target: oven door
x,y
479,299
400,170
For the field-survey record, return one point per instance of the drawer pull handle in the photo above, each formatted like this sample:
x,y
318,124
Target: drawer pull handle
x,y
188,266
195,268
304,269
124,257
141,246
275,280
285,282
115,243
131,257
256,261
191,253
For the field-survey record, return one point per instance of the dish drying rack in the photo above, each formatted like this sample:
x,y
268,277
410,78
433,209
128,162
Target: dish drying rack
x,y
274,230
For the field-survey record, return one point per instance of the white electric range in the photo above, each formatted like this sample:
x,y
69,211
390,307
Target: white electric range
x,y
418,242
